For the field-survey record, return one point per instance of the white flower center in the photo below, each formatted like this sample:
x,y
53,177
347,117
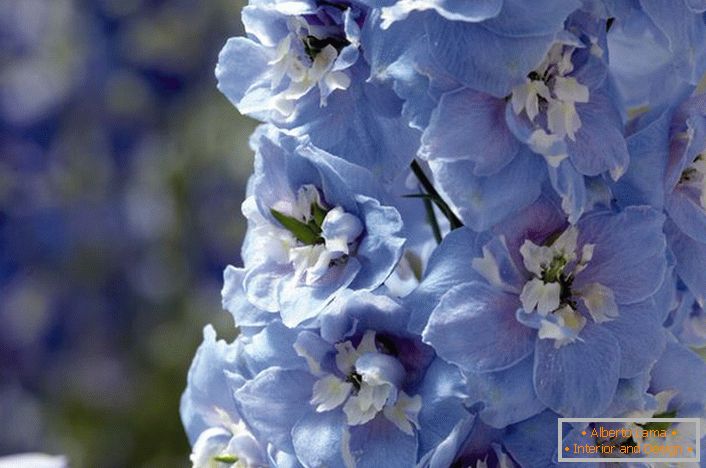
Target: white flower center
x,y
550,91
371,384
332,235
549,291
306,58
694,177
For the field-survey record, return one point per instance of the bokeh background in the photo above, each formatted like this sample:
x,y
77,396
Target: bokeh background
x,y
122,170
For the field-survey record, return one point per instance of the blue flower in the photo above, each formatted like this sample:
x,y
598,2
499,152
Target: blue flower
x,y
208,411
687,321
669,173
316,227
302,69
571,296
657,53
359,391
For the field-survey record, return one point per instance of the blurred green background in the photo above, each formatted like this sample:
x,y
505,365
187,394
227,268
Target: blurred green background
x,y
122,170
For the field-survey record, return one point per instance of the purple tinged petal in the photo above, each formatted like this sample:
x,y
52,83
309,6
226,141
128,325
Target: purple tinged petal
x,y
474,327
470,125
629,254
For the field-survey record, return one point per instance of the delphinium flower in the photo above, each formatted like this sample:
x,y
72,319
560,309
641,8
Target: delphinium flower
x,y
358,391
317,227
531,263
491,143
567,294
303,68
668,173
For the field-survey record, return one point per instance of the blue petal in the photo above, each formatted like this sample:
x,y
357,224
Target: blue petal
x,y
508,395
570,185
468,125
351,127
600,145
300,302
682,370
380,443
578,379
448,266
482,59
318,439
242,66
442,391
631,396
381,247
207,385
519,18
273,346
481,202
685,34
273,402
234,301
643,183
629,256
640,336
691,260
474,327
688,214
534,442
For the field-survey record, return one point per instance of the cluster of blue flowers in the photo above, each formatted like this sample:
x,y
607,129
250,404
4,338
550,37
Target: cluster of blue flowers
x,y
466,220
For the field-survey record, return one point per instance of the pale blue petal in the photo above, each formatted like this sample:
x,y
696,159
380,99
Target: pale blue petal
x,y
578,379
474,327
448,266
481,202
234,301
691,260
508,395
442,391
640,336
318,439
682,370
600,145
273,402
380,443
629,254
468,125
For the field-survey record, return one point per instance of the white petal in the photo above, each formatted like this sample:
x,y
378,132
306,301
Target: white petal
x,y
535,257
357,412
545,297
600,302
404,414
329,393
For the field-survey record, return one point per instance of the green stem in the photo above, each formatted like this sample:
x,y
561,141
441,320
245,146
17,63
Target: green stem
x,y
454,222
431,218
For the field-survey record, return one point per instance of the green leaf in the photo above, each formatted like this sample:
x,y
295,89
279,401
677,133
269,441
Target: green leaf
x,y
226,458
305,233
659,426
318,213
